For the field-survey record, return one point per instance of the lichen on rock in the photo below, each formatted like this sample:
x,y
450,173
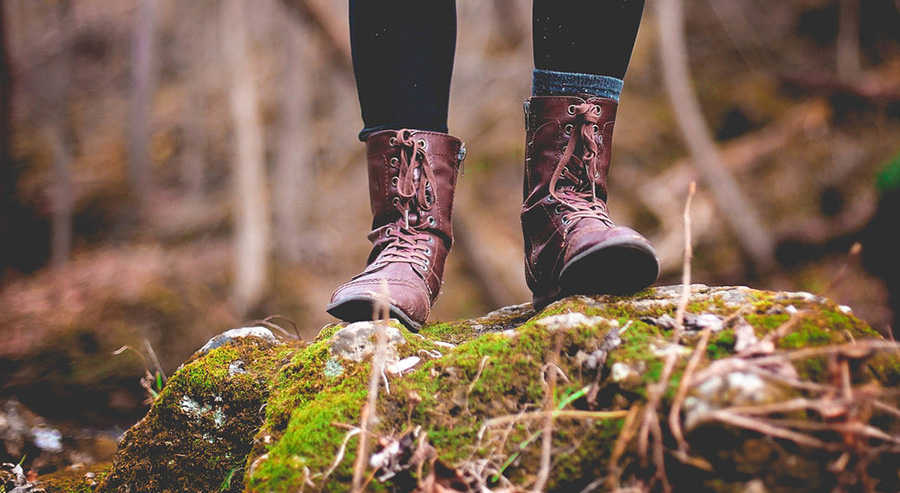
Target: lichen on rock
x,y
781,378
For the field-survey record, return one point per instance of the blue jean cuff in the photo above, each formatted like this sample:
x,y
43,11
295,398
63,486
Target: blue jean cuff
x,y
550,83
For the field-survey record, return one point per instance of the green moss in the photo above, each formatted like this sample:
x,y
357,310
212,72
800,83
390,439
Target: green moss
x,y
452,332
203,422
486,375
74,481
721,345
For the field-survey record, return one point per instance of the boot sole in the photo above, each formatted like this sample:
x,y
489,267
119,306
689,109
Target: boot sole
x,y
361,308
620,266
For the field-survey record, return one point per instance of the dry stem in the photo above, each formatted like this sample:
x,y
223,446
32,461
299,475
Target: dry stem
x,y
380,318
549,406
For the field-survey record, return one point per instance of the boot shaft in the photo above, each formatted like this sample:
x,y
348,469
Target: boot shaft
x,y
555,123
400,186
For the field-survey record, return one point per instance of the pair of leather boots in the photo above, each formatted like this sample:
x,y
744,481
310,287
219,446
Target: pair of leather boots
x,y
571,245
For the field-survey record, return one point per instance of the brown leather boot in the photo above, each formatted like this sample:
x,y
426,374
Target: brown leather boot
x,y
571,245
412,178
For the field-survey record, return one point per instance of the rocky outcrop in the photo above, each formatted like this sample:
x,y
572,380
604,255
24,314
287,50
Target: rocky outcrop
x,y
767,392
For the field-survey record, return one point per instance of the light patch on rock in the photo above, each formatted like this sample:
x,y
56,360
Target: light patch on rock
x,y
691,322
229,336
845,309
745,338
798,295
572,320
641,306
196,410
402,366
733,389
621,372
733,297
236,367
662,351
356,342
47,438
708,320
791,309
333,368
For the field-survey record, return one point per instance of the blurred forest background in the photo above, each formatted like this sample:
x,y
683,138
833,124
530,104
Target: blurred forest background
x,y
171,169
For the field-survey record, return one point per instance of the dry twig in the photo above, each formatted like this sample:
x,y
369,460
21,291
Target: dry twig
x,y
380,318
740,213
549,406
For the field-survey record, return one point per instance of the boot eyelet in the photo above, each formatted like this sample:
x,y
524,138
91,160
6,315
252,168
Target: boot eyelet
x,y
427,251
430,240
422,143
596,129
597,109
392,141
396,201
395,181
394,161
571,109
389,231
550,199
569,129
427,261
431,221
558,210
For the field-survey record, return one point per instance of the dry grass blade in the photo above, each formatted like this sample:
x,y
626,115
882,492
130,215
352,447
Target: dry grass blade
x,y
852,255
340,454
686,268
765,428
675,412
570,414
625,436
549,405
650,422
153,359
367,419
484,361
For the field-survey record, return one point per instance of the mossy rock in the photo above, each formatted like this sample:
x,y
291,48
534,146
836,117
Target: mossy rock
x,y
470,394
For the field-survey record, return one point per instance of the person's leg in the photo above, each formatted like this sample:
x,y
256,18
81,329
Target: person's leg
x,y
584,37
581,51
403,58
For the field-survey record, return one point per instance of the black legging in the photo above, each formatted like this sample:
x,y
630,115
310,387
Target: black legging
x,y
403,52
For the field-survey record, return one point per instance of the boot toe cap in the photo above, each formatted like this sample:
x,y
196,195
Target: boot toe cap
x,y
357,300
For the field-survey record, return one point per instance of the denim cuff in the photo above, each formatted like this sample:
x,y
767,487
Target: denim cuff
x,y
550,83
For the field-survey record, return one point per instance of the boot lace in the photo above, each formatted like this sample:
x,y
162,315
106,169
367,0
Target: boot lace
x,y
580,200
409,243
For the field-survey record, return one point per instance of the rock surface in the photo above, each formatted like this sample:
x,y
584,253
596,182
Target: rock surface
x,y
786,392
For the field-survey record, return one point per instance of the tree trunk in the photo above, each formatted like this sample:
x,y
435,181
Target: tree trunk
x,y
294,170
143,86
849,64
62,139
251,214
7,181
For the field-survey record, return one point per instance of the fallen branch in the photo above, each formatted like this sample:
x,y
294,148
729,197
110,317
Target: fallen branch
x,y
740,213
571,414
